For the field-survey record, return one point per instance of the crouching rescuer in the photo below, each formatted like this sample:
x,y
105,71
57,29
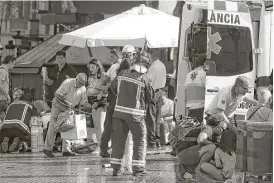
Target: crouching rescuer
x,y
133,90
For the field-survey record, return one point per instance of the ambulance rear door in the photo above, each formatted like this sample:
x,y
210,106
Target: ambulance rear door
x,y
229,49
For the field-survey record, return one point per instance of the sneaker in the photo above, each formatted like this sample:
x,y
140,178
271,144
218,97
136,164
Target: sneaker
x,y
106,165
181,172
14,145
139,173
48,153
187,176
116,172
5,145
127,170
173,153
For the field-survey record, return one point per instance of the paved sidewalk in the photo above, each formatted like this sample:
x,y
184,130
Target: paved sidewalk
x,y
35,167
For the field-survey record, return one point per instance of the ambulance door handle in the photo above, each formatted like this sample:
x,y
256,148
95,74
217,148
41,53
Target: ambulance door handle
x,y
212,90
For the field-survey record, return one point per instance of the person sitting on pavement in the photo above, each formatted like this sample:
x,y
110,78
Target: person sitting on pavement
x,y
16,125
191,156
227,100
225,158
71,93
260,112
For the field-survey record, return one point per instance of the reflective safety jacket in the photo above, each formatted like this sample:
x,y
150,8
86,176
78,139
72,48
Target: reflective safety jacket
x,y
133,91
18,116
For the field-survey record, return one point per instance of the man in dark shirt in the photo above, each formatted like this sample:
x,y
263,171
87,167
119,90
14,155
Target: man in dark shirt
x,y
58,74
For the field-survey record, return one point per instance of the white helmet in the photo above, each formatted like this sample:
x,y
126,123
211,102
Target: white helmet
x,y
129,49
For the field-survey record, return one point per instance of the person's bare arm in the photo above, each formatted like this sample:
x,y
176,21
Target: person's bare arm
x,y
203,138
104,82
228,123
250,100
218,163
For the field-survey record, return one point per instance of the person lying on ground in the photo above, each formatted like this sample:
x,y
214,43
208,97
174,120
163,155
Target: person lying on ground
x,y
189,157
16,125
225,158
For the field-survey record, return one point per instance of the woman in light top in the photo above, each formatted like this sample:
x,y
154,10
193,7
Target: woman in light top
x,y
97,96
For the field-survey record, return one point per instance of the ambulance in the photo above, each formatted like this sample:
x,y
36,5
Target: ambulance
x,y
224,31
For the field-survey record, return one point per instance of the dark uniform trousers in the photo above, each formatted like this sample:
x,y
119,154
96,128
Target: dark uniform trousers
x,y
119,136
106,135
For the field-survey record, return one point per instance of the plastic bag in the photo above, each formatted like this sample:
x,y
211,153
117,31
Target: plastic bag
x,y
65,121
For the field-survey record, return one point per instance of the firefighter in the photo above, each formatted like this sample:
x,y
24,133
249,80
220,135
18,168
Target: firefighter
x,y
128,56
195,89
133,89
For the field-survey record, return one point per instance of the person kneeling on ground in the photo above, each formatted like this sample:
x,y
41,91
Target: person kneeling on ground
x,y
195,153
15,131
225,158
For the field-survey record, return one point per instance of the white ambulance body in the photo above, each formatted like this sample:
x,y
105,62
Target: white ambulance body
x,y
230,48
229,45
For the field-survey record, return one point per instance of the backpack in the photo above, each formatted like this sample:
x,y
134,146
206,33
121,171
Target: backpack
x,y
185,134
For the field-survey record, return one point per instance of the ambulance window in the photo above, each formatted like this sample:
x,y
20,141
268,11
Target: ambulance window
x,y
235,56
197,44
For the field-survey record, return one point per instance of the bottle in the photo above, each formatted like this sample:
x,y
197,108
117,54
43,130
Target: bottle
x,y
36,135
34,138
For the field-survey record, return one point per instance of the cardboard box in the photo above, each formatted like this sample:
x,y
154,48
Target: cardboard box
x,y
80,130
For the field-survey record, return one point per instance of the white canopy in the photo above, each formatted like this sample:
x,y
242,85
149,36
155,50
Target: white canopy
x,y
139,26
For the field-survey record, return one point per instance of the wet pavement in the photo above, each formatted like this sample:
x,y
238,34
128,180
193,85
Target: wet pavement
x,y
35,167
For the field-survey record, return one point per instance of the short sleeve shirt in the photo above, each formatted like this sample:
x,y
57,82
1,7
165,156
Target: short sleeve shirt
x,y
197,76
260,114
223,100
112,71
4,77
157,74
68,89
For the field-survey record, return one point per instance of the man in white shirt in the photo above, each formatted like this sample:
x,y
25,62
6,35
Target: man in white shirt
x,y
157,74
228,99
195,89
71,93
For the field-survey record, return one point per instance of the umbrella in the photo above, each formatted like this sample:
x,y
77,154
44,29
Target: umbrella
x,y
138,26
